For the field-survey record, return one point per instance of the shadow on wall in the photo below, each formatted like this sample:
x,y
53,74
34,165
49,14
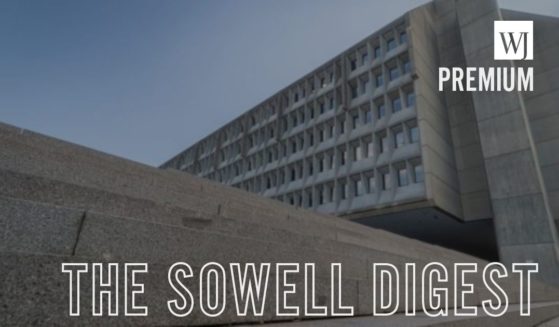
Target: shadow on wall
x,y
436,227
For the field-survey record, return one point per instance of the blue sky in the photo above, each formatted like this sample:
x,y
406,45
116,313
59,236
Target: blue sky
x,y
145,79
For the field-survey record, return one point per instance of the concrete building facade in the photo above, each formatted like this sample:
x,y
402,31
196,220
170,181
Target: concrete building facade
x,y
368,136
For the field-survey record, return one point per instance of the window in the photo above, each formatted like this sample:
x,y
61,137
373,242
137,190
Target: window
x,y
371,184
414,134
364,58
410,99
294,120
293,146
418,175
354,121
353,63
383,143
385,180
311,139
331,161
331,131
367,117
358,188
394,73
342,127
396,104
321,105
370,149
354,92
311,113
391,43
270,157
321,135
381,110
343,157
331,103
311,168
402,177
320,165
320,196
343,191
403,37
379,80
364,85
377,52
296,97
357,153
407,66
398,138
293,174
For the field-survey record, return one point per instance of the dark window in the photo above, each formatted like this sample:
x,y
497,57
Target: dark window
x,y
414,134
396,104
391,44
343,191
383,143
402,177
379,80
385,181
381,111
364,57
377,52
418,173
368,117
398,138
407,66
353,64
354,93
410,99
403,37
394,73
354,121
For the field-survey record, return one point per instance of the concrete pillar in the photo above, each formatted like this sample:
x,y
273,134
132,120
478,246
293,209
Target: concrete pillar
x,y
523,219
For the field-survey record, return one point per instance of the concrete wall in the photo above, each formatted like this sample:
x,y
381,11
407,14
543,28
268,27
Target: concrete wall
x,y
474,190
437,147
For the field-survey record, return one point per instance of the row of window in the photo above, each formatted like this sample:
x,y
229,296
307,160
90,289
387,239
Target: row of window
x,y
362,57
361,116
399,175
355,151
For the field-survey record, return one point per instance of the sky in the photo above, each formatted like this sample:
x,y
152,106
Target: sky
x,y
145,79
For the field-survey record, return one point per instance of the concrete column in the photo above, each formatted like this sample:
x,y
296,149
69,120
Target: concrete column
x,y
523,219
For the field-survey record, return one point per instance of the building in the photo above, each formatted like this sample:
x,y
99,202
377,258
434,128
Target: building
x,y
367,136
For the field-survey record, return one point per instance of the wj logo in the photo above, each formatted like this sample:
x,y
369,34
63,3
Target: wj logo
x,y
514,40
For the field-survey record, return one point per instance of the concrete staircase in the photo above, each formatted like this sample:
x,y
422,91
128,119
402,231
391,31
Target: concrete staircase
x,y
60,202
